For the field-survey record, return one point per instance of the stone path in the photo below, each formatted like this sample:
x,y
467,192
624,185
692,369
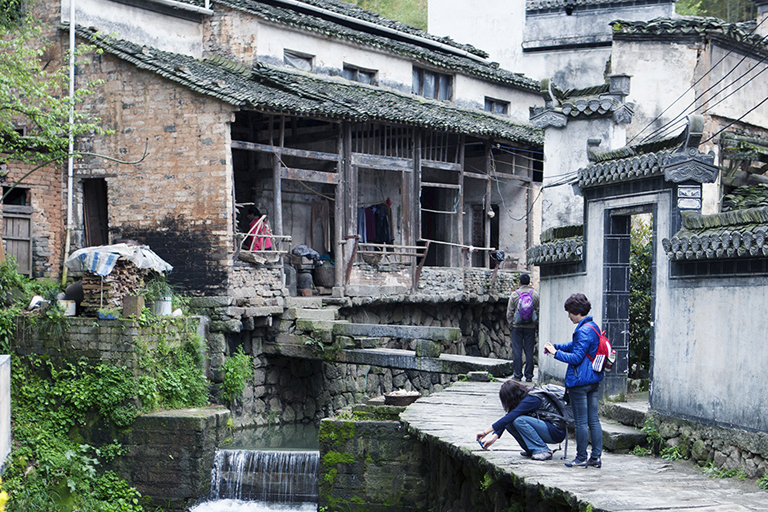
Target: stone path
x,y
625,483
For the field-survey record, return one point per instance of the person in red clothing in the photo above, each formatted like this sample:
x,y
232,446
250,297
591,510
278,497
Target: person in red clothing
x,y
258,232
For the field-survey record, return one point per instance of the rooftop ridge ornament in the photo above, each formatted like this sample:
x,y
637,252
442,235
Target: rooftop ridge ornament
x,y
687,163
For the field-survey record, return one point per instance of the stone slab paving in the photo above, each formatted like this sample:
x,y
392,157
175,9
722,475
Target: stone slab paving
x,y
626,483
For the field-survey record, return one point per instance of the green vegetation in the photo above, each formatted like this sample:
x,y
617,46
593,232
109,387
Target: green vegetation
x,y
763,482
714,471
728,10
50,469
31,94
58,405
333,458
238,368
410,12
486,482
640,280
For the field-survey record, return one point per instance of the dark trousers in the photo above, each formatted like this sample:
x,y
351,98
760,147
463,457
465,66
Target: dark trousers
x,y
523,338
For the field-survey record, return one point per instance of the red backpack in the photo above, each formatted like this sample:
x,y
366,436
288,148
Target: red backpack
x,y
605,355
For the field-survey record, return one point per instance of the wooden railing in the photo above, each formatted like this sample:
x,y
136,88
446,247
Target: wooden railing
x,y
375,253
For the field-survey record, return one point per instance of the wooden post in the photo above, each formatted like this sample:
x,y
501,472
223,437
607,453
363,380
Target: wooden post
x,y
338,211
416,185
277,217
487,254
460,207
529,215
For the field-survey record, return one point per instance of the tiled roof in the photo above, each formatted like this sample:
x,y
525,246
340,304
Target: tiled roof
x,y
538,5
735,234
559,245
430,56
627,163
353,11
276,90
562,105
691,25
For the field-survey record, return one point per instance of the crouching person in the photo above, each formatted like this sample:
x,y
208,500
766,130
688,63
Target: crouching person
x,y
532,419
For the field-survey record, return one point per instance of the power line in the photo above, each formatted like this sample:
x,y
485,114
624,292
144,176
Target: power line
x,y
737,120
754,45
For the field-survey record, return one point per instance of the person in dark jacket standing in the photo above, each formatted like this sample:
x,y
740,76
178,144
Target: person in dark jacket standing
x,y
522,329
581,380
532,419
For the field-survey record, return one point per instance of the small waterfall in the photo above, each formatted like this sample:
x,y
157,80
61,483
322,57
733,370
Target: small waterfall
x,y
283,476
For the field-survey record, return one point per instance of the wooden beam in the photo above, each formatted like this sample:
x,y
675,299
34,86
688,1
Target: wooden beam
x,y
443,166
338,212
288,173
475,175
382,162
440,185
302,153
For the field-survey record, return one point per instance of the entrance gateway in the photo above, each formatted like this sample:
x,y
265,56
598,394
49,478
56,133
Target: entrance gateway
x,y
662,179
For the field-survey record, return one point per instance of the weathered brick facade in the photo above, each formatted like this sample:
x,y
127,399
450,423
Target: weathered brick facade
x,y
177,199
44,198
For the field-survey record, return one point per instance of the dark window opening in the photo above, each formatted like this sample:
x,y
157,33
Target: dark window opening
x,y
357,74
17,196
496,106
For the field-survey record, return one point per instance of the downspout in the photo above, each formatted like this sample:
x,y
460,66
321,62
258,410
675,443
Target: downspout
x,y
71,150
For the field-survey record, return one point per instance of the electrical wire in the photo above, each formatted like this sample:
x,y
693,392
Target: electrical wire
x,y
736,121
754,45
714,95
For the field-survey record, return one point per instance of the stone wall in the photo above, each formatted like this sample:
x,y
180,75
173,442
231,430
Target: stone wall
x,y
116,342
170,454
729,448
371,465
297,390
484,328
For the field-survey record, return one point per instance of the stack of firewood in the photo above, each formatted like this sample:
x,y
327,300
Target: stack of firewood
x,y
108,292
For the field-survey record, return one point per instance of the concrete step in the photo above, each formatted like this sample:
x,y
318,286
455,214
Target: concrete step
x,y
631,413
618,438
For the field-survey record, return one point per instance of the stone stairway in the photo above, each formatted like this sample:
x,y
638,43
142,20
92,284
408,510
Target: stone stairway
x,y
622,421
310,328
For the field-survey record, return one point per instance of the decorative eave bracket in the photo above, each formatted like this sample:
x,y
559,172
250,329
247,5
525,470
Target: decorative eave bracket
x,y
687,163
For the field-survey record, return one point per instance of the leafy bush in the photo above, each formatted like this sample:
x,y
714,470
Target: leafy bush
x,y
49,470
238,368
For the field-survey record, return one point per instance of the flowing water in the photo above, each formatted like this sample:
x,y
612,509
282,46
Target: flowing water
x,y
265,470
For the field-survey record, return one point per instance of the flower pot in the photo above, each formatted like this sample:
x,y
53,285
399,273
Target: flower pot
x,y
162,306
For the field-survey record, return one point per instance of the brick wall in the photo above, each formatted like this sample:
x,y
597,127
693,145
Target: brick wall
x,y
178,199
45,197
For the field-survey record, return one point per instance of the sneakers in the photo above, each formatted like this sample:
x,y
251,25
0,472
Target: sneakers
x,y
576,463
595,463
545,455
526,454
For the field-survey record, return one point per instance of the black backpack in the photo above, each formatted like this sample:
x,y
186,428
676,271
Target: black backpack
x,y
557,395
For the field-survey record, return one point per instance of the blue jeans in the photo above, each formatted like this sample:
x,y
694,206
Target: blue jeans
x,y
531,433
587,424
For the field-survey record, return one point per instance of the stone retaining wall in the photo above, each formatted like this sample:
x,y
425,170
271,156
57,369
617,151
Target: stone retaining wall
x,y
728,448
110,341
170,455
484,328
371,465
294,390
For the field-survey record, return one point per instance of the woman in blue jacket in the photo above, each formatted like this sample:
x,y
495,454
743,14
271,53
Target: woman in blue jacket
x,y
581,380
